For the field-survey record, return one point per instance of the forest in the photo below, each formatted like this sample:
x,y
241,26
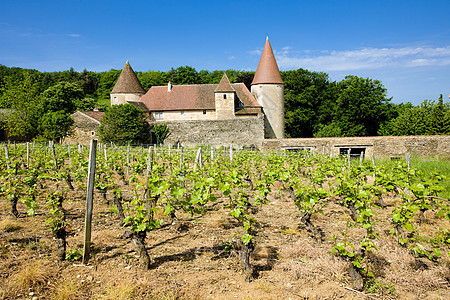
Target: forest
x,y
39,104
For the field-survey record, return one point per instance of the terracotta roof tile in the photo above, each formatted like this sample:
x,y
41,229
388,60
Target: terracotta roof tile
x,y
267,71
224,85
192,97
128,82
97,115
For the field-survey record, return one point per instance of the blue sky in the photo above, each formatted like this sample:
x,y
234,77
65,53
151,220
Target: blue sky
x,y
404,44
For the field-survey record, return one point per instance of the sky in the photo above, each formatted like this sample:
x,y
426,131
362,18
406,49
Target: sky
x,y
405,44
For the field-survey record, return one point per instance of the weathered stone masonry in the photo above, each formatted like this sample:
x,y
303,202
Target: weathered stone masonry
x,y
387,146
242,132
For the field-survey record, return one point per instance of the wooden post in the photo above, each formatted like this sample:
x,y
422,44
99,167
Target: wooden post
x,y
68,151
106,154
198,158
360,158
149,161
55,163
182,158
373,163
408,160
212,154
28,154
79,148
7,156
231,153
89,202
348,158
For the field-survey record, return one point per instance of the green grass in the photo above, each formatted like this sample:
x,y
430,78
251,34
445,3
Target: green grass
x,y
427,165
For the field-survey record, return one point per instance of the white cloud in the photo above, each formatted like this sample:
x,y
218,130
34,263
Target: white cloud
x,y
365,58
255,52
74,34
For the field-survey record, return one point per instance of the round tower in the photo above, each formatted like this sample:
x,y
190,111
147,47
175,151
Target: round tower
x,y
127,88
268,89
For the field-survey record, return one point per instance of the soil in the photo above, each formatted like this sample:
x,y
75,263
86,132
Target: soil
x,y
191,259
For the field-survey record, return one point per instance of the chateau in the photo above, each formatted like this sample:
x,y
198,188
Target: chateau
x,y
217,114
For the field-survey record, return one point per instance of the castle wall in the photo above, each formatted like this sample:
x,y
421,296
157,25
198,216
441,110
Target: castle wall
x,y
224,105
386,146
122,98
185,115
271,98
242,132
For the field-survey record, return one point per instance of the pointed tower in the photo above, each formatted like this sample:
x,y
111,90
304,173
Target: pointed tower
x,y
224,96
127,88
268,89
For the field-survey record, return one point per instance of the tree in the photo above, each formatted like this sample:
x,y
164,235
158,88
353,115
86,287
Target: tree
x,y
21,98
63,96
427,118
124,124
183,75
55,125
309,101
361,106
161,132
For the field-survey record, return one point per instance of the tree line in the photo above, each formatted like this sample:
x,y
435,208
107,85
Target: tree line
x,y
39,104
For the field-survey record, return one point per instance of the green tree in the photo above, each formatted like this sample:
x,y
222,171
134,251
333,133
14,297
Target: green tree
x,y
55,125
427,118
123,124
183,75
22,101
63,96
361,106
309,101
161,132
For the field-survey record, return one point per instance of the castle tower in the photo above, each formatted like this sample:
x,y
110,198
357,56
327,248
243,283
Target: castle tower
x,y
224,96
127,88
268,89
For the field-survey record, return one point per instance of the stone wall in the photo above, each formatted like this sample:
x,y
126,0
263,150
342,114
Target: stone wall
x,y
84,129
387,146
241,132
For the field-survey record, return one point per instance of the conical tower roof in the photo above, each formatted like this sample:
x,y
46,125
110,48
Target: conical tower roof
x,y
224,85
128,82
267,71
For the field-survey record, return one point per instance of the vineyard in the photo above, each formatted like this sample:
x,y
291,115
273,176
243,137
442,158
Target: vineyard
x,y
220,223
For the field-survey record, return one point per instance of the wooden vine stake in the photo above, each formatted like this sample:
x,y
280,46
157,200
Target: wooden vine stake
x,y
7,156
373,163
28,154
89,202
198,159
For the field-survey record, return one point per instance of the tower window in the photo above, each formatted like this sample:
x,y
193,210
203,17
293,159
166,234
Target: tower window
x,y
224,96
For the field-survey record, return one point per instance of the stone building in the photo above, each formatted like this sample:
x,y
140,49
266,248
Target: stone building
x,y
85,127
217,114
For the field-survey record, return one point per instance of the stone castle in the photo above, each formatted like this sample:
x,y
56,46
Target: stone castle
x,y
217,114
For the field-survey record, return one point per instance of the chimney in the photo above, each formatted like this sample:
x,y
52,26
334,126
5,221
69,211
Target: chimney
x,y
169,87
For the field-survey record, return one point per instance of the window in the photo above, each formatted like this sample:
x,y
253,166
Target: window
x,y
224,96
92,132
182,113
159,115
204,112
